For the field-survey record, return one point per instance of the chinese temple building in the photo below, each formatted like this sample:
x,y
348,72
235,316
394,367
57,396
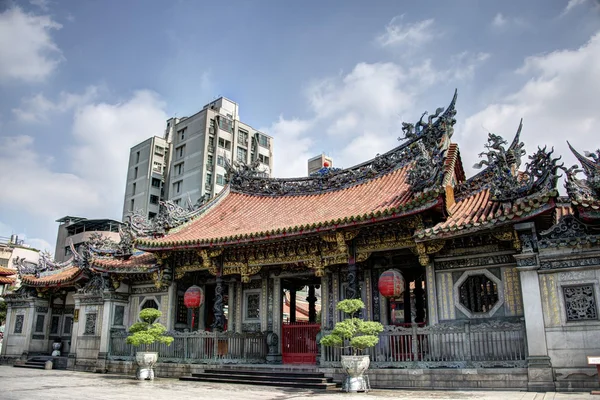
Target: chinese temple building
x,y
500,274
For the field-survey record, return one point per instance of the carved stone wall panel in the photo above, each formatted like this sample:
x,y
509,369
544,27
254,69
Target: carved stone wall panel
x,y
444,283
580,302
576,276
550,300
269,303
513,298
474,262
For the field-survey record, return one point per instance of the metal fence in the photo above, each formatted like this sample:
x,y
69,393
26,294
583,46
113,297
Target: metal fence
x,y
198,347
463,345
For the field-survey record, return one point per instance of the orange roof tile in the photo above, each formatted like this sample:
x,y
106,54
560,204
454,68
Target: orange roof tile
x,y
4,280
7,271
477,211
63,276
136,263
238,217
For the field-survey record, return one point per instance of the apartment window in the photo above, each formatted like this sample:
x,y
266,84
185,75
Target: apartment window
x,y
177,186
137,157
159,151
133,189
212,123
181,134
210,159
225,144
153,199
243,137
263,141
225,124
155,182
221,161
179,169
242,154
157,167
180,151
211,141
151,215
208,179
220,180
132,205
263,159
135,172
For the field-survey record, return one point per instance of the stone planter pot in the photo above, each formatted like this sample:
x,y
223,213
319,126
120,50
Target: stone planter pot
x,y
355,367
145,361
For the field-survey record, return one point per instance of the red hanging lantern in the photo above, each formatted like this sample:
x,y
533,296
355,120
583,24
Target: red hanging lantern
x,y
391,283
326,164
193,298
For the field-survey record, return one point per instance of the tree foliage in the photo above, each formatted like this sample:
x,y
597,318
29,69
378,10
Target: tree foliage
x,y
3,308
353,332
148,331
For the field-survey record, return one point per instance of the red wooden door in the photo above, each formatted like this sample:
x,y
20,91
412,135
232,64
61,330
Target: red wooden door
x,y
299,344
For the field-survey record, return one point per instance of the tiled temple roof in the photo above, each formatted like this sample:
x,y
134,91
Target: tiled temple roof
x,y
7,271
240,217
5,280
64,277
5,276
137,263
478,211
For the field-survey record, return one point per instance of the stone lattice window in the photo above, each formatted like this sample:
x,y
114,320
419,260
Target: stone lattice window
x,y
580,303
478,293
19,324
90,324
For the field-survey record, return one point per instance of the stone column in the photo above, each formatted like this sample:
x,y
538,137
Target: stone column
x,y
277,309
219,323
325,301
353,288
292,304
432,315
172,293
230,305
312,300
239,312
105,325
540,374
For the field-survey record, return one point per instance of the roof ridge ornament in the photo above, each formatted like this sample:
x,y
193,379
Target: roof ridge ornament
x,y
501,174
584,190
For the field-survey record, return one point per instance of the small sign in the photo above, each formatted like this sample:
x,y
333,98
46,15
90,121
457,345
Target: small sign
x,y
76,315
593,360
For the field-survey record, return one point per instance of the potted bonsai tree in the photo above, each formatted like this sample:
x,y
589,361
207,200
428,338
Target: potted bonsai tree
x,y
358,335
145,333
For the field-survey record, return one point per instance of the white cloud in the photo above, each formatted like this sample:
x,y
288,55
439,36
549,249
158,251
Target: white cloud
x,y
413,34
27,51
39,108
44,5
559,102
499,21
360,110
93,187
572,4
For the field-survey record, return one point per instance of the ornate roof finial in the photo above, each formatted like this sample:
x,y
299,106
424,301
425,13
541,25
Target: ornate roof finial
x,y
588,189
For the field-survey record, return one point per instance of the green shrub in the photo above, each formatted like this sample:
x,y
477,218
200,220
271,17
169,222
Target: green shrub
x,y
359,334
148,331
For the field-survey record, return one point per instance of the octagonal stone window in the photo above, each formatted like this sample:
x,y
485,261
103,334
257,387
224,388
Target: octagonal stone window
x,y
478,294
149,303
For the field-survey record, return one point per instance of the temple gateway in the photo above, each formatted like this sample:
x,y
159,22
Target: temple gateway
x,y
501,274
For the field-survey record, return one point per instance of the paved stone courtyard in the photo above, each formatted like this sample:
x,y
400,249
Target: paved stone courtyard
x,y
21,384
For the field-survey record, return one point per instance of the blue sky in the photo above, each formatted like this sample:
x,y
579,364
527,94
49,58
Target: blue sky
x,y
83,81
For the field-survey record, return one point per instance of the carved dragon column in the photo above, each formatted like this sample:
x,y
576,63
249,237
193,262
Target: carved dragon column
x,y
219,323
352,292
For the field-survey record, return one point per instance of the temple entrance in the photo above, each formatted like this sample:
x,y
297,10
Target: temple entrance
x,y
301,319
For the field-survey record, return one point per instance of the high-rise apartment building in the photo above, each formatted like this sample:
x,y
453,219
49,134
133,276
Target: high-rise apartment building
x,y
318,162
196,150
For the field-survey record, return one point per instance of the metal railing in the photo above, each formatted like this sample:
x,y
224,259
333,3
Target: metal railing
x,y
463,345
198,347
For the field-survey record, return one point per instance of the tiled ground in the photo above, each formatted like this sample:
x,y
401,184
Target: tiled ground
x,y
27,384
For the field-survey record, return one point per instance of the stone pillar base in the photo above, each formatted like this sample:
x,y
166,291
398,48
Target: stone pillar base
x,y
274,359
540,374
101,367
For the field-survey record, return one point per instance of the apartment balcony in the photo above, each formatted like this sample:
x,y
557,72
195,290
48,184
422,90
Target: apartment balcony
x,y
211,149
210,167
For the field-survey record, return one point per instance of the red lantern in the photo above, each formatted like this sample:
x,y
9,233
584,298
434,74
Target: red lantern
x,y
193,298
326,164
391,283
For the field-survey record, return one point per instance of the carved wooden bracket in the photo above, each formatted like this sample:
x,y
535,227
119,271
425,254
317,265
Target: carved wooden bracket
x,y
340,237
508,236
424,250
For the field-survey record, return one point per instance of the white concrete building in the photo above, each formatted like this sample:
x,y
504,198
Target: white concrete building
x,y
196,149
78,230
11,249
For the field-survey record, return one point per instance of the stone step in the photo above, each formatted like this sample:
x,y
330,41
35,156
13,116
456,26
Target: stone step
x,y
34,366
266,378
221,379
264,372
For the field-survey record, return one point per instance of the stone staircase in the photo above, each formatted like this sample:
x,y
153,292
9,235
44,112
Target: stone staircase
x,y
39,362
278,378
